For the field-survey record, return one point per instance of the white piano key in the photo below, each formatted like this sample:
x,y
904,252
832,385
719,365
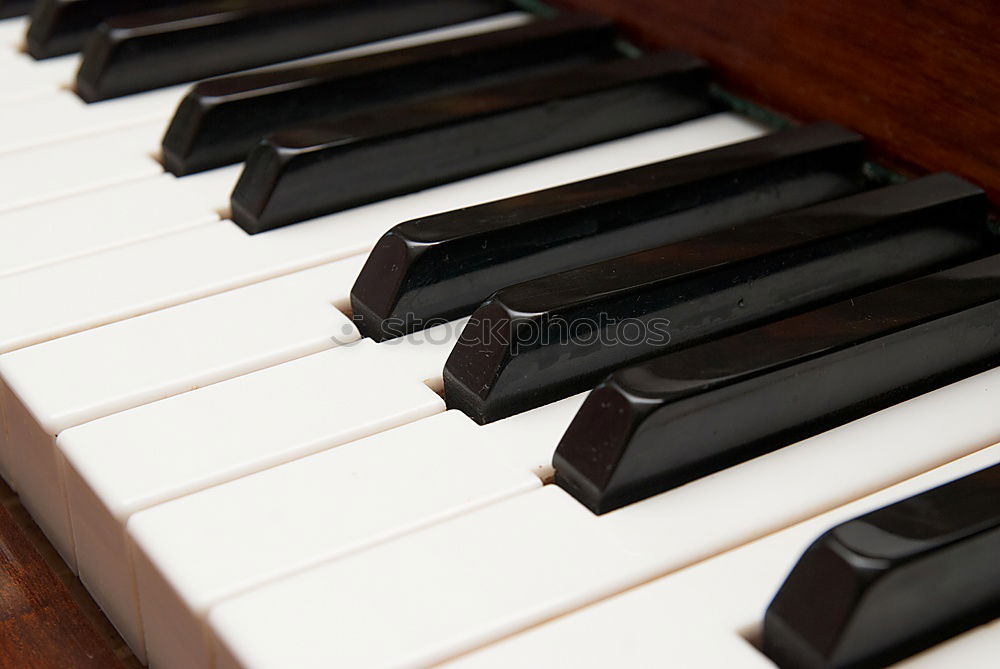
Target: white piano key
x,y
12,33
76,166
93,374
723,597
151,454
23,78
453,587
130,280
196,550
5,400
717,651
106,218
141,360
685,643
61,114
531,438
444,589
690,646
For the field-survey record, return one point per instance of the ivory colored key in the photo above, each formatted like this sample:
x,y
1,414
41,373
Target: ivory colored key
x,y
456,586
129,461
62,115
721,600
76,166
105,218
12,30
92,374
332,504
127,281
22,78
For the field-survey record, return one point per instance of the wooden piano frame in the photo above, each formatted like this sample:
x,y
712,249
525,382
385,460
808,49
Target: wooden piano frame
x,y
919,78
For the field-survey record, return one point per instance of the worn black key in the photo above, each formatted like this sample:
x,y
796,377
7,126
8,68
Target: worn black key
x,y
326,167
690,413
59,27
221,120
559,335
893,582
139,52
11,8
444,266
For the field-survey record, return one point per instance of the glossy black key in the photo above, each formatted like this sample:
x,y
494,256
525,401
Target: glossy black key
x,y
327,167
11,8
687,414
553,337
444,266
139,52
59,27
893,582
220,121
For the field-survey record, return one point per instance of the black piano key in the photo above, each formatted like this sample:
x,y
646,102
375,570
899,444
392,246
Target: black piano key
x,y
444,266
326,167
687,414
60,27
550,338
220,121
893,582
12,8
139,52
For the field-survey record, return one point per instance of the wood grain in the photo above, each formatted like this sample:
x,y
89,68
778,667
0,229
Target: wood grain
x,y
46,620
920,78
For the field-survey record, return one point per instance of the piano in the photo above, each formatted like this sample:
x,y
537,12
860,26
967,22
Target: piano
x,y
490,333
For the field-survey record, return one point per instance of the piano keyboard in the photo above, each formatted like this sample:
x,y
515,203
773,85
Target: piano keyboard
x,y
467,334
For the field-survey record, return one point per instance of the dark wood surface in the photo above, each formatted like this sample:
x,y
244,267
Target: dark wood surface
x,y
920,78
47,620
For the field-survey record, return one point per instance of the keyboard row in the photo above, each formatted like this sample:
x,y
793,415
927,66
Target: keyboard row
x,y
170,377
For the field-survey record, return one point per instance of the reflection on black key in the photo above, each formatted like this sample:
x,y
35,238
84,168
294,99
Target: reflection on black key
x,y
59,27
221,120
891,583
444,266
139,52
327,167
687,414
10,8
553,337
